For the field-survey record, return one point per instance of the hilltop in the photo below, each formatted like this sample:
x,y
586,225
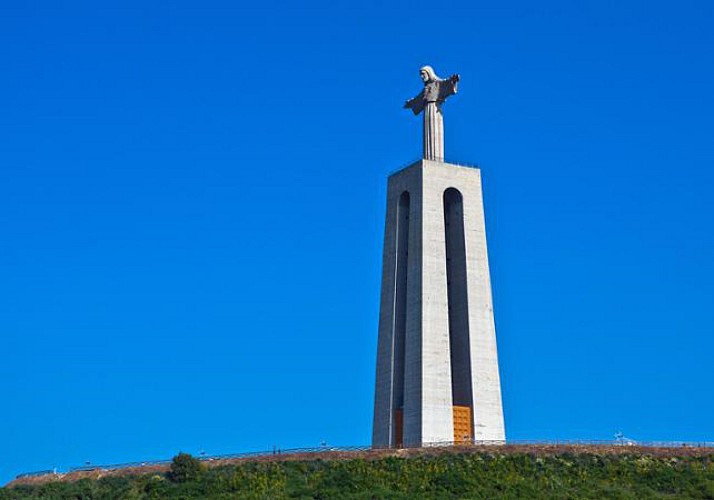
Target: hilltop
x,y
478,472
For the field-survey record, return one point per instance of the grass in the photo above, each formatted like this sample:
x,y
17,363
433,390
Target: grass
x,y
449,475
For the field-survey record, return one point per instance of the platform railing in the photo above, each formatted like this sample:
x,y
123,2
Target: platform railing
x,y
450,161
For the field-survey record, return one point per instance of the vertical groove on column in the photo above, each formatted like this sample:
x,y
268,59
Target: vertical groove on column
x,y
400,320
457,297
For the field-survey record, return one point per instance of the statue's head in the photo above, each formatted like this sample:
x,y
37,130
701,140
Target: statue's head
x,y
427,74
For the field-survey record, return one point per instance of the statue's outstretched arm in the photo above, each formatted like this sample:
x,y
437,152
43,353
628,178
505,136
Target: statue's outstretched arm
x,y
453,85
416,103
411,102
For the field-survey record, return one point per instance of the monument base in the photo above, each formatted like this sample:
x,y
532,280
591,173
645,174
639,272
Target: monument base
x,y
437,363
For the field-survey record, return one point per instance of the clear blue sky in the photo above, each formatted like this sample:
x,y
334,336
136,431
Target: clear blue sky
x,y
192,201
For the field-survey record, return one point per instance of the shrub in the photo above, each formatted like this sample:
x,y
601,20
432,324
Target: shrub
x,y
185,467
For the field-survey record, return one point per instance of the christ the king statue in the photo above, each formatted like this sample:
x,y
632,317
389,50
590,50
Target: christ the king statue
x,y
430,100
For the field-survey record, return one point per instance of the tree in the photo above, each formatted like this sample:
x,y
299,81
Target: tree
x,y
184,467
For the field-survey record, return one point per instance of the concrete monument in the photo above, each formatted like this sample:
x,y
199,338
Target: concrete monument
x,y
437,364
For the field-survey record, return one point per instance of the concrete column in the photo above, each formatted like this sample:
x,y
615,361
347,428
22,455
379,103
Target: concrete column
x,y
415,379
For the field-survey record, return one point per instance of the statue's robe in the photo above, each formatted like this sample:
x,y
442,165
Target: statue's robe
x,y
434,91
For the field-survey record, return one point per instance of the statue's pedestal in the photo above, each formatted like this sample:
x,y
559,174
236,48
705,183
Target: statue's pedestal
x,y
437,363
433,140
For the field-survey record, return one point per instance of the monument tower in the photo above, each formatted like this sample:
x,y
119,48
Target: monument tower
x,y
437,363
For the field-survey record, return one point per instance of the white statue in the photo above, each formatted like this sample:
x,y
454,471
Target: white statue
x,y
429,100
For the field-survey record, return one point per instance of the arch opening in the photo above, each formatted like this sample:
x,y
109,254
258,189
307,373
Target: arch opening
x,y
400,318
457,299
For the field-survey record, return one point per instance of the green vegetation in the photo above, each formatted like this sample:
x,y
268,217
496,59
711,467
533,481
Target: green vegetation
x,y
449,475
185,468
